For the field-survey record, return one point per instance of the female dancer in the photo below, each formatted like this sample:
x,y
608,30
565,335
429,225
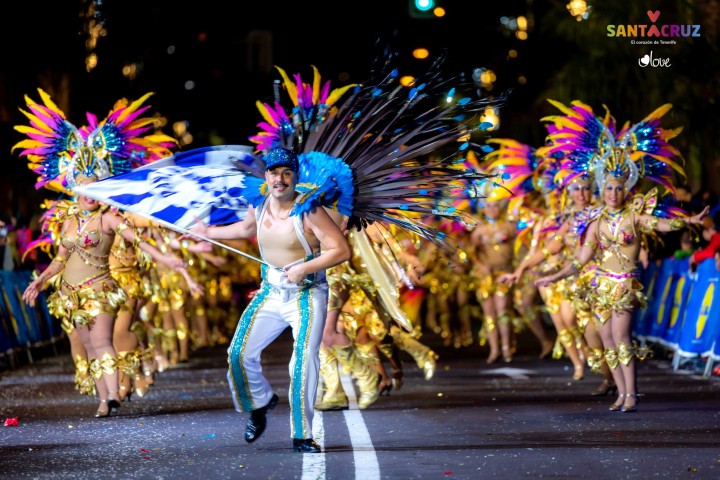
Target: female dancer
x,y
613,242
494,239
124,269
64,157
574,306
88,294
613,238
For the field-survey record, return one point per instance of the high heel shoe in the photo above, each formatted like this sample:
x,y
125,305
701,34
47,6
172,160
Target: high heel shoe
x,y
492,357
429,365
112,406
631,408
162,363
127,396
507,353
618,404
126,393
385,386
101,412
142,385
605,388
578,372
398,379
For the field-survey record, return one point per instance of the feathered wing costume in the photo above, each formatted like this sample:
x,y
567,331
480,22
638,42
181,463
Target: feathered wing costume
x,y
377,150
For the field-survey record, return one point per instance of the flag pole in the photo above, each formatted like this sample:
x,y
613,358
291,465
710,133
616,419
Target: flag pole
x,y
180,229
219,244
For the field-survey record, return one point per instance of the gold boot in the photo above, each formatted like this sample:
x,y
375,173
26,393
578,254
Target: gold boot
x,y
423,356
365,376
334,397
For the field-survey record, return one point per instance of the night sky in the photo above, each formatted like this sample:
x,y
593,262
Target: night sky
x,y
211,49
43,45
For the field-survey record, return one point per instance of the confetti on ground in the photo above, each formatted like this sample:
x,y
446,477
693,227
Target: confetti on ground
x,y
11,422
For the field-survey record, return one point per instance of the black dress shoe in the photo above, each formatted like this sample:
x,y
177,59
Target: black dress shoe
x,y
257,422
305,445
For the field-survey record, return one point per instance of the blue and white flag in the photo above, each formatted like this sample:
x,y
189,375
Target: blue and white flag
x,y
202,183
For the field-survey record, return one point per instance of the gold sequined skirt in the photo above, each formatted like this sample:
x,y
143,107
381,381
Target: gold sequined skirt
x,y
130,279
80,304
615,295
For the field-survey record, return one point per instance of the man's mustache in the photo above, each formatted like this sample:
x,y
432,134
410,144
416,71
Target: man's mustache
x,y
280,184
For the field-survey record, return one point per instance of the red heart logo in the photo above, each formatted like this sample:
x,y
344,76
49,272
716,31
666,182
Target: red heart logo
x,y
653,15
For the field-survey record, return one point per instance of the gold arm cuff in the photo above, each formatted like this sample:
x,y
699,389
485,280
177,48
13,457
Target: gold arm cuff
x,y
677,224
60,259
137,239
122,226
546,253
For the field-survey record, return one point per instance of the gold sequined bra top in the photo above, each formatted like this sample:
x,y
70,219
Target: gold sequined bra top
x,y
86,242
619,241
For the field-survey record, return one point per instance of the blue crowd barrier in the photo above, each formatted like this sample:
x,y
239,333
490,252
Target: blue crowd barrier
x,y
644,316
661,300
22,326
701,320
681,293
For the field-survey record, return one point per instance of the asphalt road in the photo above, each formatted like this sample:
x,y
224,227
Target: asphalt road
x,y
525,419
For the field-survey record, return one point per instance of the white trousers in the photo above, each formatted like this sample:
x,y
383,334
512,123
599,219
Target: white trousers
x,y
269,313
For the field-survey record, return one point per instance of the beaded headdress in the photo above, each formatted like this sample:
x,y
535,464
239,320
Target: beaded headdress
x,y
617,166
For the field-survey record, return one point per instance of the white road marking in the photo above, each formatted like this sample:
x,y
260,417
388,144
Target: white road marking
x,y
366,462
314,463
514,373
364,457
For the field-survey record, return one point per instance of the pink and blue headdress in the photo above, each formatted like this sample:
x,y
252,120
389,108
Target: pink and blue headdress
x,y
58,151
590,145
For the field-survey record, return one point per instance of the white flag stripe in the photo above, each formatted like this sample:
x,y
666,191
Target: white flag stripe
x,y
202,183
175,191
